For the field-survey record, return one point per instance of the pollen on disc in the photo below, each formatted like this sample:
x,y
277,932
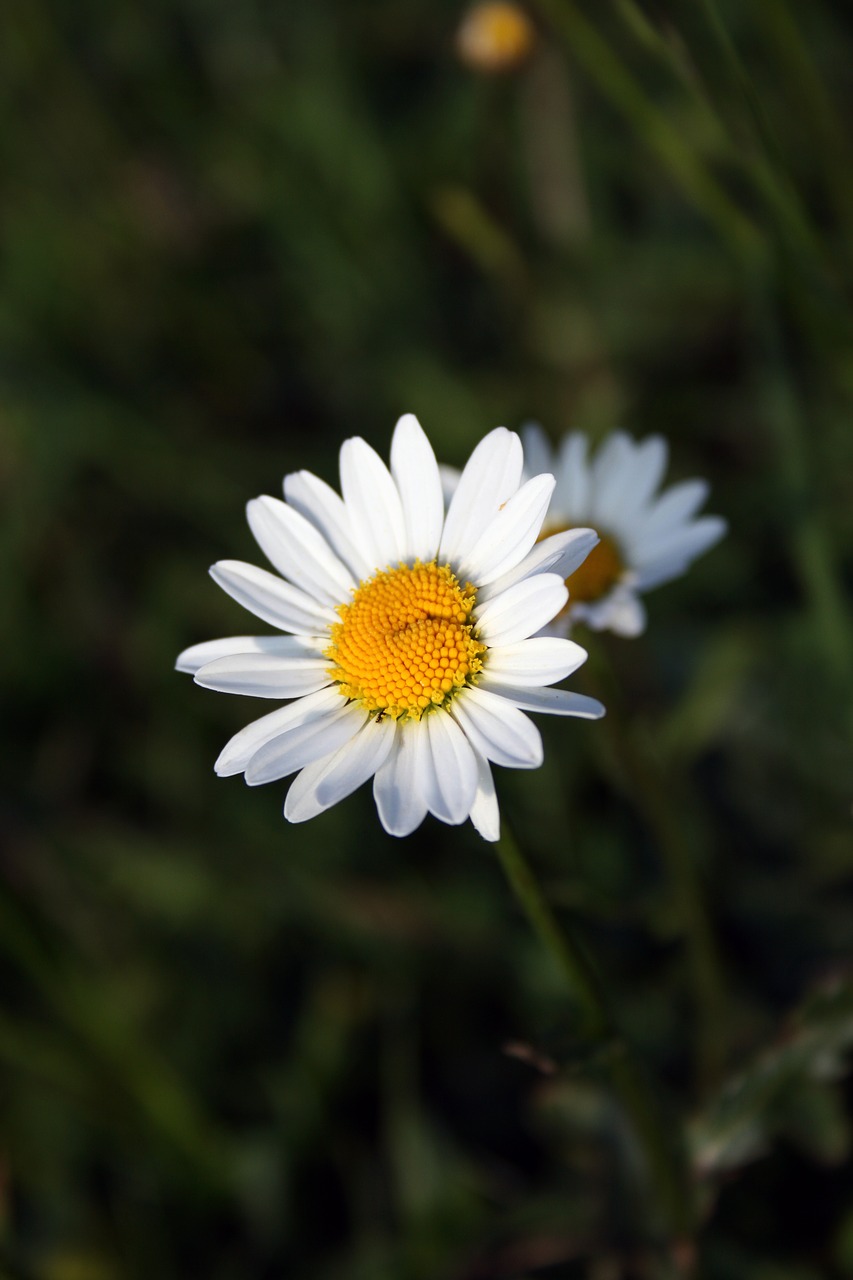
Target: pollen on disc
x,y
406,642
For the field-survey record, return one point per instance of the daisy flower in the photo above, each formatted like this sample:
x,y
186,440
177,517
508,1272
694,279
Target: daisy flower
x,y
646,537
408,651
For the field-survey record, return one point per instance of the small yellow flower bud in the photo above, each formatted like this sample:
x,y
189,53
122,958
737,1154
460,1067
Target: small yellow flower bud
x,y
494,36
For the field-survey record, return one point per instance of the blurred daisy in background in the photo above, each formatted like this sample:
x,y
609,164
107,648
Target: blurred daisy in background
x,y
495,36
646,536
408,648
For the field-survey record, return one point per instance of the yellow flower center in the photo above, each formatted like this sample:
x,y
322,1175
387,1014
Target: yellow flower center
x,y
406,641
495,36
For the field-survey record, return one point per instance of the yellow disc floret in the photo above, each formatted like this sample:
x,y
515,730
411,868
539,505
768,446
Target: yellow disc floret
x,y
406,641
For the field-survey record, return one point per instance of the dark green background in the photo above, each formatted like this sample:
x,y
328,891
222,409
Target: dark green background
x,y
234,234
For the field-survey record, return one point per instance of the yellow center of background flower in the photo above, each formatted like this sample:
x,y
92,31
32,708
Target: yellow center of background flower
x,y
406,641
598,574
495,36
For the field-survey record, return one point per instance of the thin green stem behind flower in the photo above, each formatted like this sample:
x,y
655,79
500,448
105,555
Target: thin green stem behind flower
x,y
599,1030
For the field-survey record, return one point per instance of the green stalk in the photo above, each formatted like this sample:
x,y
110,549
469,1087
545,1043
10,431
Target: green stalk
x,y
812,551
654,127
663,1156
659,804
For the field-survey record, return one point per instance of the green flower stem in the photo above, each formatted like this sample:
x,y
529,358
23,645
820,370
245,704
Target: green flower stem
x,y
812,550
653,126
657,796
661,1149
660,806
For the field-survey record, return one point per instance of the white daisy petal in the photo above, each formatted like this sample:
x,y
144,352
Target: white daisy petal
x,y
415,473
298,550
673,508
541,660
611,456
538,454
660,571
621,611
521,610
265,675
511,534
323,783
571,496
688,542
271,599
238,751
562,553
451,783
303,743
373,503
318,502
449,477
627,614
485,814
649,464
198,654
554,702
497,729
491,476
399,802
613,473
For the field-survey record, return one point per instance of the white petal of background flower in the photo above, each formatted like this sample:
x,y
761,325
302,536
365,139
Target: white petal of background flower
x,y
652,534
538,454
573,479
674,507
649,464
612,479
688,542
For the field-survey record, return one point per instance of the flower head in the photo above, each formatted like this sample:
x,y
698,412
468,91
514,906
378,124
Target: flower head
x,y
495,36
646,537
407,647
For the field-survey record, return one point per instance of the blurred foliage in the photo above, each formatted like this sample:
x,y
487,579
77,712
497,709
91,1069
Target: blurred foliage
x,y
233,235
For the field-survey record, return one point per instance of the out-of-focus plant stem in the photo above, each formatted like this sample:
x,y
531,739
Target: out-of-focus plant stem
x,y
761,165
662,1151
657,797
654,127
812,550
657,801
